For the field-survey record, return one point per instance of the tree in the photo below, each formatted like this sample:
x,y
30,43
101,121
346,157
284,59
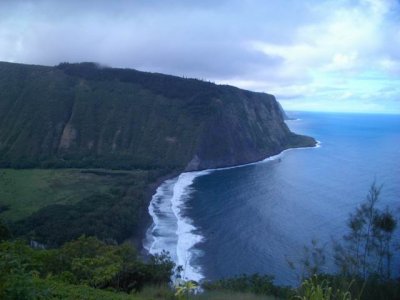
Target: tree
x,y
17,272
384,226
368,242
311,263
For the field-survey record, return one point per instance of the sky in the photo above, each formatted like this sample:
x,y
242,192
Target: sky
x,y
313,55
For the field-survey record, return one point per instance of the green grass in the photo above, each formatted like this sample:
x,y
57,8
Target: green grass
x,y
225,295
57,290
50,289
23,192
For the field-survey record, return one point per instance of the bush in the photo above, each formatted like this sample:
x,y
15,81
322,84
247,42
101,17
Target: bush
x,y
255,284
86,261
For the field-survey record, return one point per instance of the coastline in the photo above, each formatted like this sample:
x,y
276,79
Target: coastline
x,y
186,233
147,221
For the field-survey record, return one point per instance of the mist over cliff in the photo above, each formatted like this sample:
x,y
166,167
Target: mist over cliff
x,y
85,115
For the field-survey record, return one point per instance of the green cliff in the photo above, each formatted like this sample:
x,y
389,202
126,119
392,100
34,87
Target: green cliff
x,y
85,115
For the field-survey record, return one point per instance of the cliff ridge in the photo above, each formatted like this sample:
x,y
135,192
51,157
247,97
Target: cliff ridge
x,y
84,115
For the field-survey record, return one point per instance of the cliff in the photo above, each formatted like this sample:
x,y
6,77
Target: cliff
x,y
284,115
84,115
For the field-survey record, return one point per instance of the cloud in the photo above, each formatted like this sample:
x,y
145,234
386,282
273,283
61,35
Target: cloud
x,y
184,40
297,49
350,42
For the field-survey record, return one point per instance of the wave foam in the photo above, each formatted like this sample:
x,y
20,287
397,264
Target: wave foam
x,y
172,231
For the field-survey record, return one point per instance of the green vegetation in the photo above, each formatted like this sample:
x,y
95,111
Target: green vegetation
x,y
56,206
100,121
185,289
367,249
363,257
316,289
87,268
86,116
339,286
252,284
27,273
5,233
229,295
52,289
23,192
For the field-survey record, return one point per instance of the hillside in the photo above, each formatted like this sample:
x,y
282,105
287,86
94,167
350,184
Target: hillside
x,y
85,116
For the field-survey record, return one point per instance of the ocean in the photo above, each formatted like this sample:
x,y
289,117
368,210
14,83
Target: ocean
x,y
259,217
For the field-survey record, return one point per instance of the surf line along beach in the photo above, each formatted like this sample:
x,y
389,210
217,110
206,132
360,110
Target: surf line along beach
x,y
172,230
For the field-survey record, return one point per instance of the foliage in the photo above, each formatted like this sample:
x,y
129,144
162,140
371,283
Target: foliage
x,y
225,295
185,288
70,271
102,215
312,261
367,248
255,284
363,257
99,117
156,292
23,192
54,289
374,288
316,289
97,264
119,124
69,203
5,233
86,261
16,274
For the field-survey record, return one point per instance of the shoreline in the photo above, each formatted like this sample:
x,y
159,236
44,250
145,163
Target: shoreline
x,y
186,237
147,221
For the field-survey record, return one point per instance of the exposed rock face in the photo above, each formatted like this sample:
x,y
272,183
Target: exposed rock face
x,y
80,115
68,136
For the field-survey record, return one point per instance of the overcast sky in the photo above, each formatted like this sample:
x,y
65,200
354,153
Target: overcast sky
x,y
312,55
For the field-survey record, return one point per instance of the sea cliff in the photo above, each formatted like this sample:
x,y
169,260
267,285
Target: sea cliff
x,y
85,115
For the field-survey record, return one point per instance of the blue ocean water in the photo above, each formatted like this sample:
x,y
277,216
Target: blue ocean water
x,y
258,217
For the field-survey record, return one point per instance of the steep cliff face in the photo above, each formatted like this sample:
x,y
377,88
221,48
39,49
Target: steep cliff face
x,y
284,115
82,115
246,127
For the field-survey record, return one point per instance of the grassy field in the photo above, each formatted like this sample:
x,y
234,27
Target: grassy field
x,y
23,192
56,290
